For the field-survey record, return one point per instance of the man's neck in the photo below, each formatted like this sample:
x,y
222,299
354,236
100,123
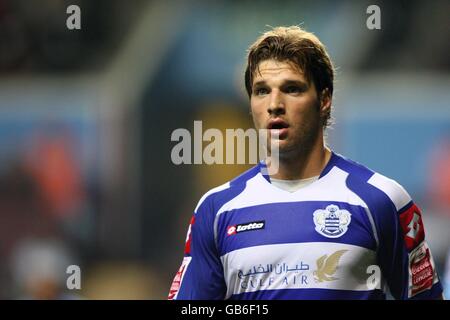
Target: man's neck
x,y
302,166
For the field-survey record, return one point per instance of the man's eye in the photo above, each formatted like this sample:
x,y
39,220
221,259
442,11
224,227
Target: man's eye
x,y
293,89
261,91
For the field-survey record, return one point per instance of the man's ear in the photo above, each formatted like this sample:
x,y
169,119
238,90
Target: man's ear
x,y
325,106
325,101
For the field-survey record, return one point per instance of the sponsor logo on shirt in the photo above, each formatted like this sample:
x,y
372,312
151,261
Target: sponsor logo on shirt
x,y
249,226
420,269
327,266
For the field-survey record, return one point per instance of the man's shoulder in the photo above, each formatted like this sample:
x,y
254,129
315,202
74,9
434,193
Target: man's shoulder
x,y
214,198
390,187
363,180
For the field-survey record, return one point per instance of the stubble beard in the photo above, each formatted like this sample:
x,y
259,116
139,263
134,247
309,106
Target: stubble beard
x,y
303,142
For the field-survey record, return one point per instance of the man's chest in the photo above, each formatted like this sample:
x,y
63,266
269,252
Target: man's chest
x,y
294,222
296,245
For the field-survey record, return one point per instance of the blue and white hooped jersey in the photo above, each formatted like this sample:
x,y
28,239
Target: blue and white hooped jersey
x,y
352,234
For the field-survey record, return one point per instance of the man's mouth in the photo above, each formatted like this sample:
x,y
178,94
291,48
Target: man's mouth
x,y
277,124
278,128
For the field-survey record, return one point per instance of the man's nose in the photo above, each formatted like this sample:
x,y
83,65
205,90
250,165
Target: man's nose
x,y
276,105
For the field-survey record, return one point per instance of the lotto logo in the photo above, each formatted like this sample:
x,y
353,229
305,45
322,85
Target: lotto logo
x,y
412,225
231,230
249,226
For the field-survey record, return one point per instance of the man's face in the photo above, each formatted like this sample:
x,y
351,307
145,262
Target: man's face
x,y
284,102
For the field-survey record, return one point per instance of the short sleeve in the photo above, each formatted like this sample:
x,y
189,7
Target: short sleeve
x,y
405,258
200,276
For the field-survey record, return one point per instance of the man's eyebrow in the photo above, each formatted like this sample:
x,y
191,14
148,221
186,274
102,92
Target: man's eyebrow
x,y
286,82
260,83
295,82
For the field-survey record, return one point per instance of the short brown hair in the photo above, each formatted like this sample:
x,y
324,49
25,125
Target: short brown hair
x,y
295,45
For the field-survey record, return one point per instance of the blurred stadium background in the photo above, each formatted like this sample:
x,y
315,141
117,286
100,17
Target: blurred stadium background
x,y
86,117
